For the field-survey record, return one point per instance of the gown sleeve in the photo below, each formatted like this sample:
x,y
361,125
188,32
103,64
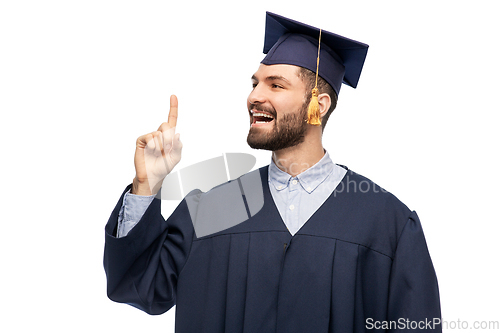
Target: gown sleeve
x,y
414,294
142,268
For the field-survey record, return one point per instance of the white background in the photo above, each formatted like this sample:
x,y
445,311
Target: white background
x,y
81,80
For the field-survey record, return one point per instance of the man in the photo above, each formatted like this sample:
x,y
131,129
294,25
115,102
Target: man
x,y
327,251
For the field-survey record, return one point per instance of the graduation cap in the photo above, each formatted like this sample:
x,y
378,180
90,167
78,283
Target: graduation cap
x,y
294,43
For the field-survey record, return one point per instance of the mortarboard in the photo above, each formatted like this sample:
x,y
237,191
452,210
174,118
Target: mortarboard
x,y
294,43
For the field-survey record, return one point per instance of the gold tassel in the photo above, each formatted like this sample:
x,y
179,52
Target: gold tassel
x,y
313,110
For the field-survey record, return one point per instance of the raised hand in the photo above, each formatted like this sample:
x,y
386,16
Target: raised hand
x,y
156,154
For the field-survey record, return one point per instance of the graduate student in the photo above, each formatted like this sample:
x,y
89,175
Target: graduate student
x,y
315,247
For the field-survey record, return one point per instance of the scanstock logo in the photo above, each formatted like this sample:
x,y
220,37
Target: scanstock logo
x,y
221,193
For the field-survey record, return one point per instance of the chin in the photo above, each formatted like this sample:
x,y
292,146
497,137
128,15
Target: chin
x,y
273,145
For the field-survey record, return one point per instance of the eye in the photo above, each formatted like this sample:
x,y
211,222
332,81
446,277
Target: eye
x,y
254,84
274,85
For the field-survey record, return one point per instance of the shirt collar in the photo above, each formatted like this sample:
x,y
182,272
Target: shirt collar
x,y
309,179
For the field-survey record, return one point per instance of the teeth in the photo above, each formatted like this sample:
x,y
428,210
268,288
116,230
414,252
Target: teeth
x,y
258,114
261,122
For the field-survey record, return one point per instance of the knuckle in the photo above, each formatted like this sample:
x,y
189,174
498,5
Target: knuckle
x,y
163,127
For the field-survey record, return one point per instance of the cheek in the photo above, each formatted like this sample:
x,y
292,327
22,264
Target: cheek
x,y
290,104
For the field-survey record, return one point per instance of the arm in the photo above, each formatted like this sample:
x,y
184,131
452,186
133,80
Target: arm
x,y
156,154
142,268
413,293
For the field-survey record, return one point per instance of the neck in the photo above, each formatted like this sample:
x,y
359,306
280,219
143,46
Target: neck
x,y
297,159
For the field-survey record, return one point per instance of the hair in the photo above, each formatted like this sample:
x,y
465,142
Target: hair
x,y
309,78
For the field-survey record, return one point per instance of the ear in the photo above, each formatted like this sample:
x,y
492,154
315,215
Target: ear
x,y
324,102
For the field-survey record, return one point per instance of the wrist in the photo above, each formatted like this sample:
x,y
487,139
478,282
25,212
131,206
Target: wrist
x,y
141,187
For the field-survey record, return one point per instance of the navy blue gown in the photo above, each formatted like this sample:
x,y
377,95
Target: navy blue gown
x,y
360,260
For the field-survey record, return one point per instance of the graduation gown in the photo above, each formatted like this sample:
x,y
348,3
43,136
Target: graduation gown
x,y
360,260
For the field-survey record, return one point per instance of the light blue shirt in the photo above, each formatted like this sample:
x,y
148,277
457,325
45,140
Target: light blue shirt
x,y
133,207
297,198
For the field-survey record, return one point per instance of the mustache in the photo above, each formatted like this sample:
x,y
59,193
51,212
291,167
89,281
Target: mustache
x,y
260,107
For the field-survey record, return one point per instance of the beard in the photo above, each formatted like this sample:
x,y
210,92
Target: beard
x,y
287,131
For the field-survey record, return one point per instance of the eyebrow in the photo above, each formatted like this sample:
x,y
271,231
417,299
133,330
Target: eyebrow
x,y
272,78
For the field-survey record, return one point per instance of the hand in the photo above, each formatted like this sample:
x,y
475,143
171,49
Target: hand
x,y
156,154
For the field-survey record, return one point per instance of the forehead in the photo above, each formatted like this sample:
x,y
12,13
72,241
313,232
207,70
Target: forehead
x,y
288,72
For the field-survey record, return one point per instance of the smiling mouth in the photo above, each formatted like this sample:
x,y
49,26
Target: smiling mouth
x,y
259,118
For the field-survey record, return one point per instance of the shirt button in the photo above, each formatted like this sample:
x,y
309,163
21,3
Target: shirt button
x,y
309,189
292,207
279,187
294,182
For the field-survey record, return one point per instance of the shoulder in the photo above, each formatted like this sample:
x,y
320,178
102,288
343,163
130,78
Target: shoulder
x,y
219,192
228,204
370,215
362,190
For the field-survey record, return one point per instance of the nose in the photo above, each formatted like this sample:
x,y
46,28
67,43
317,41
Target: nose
x,y
257,95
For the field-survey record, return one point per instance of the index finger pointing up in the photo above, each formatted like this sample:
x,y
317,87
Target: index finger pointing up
x,y
172,114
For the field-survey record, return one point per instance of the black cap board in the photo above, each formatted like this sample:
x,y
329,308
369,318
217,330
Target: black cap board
x,y
294,43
